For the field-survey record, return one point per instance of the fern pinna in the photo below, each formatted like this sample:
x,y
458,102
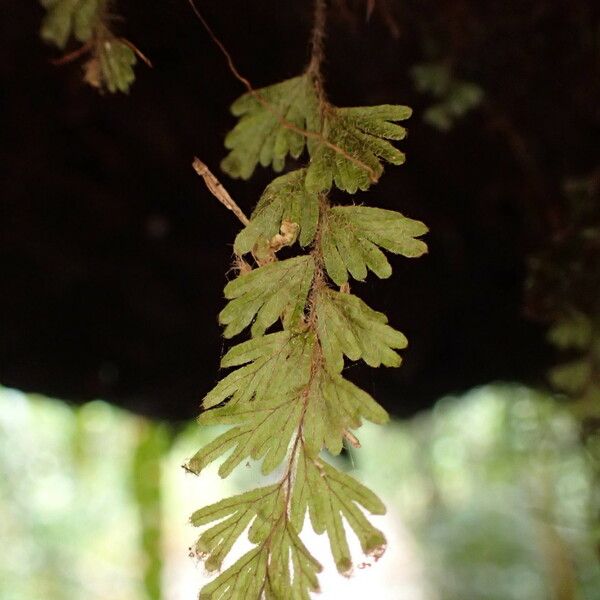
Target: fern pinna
x,y
109,59
286,398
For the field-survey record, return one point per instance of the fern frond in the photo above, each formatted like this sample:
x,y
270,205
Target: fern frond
x,y
110,59
253,436
335,406
279,566
285,199
265,294
295,583
351,236
329,495
260,135
271,364
244,579
115,62
66,18
347,326
234,515
286,400
362,133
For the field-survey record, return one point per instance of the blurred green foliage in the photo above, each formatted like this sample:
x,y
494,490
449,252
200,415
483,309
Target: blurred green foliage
x,y
495,487
454,97
110,59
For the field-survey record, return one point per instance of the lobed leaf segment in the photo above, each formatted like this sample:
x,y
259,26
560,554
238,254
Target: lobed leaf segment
x,y
110,59
286,399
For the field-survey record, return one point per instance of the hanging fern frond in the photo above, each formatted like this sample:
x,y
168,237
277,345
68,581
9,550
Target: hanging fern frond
x,y
287,401
110,59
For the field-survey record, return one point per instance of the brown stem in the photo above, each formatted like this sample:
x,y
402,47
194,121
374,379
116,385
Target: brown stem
x,y
71,56
317,47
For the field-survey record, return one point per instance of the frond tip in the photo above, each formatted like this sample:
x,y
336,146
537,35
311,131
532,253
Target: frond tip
x,y
286,399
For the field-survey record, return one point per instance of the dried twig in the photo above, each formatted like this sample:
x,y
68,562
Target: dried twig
x,y
218,191
351,439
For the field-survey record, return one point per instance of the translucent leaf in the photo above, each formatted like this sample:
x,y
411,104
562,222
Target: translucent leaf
x,y
64,18
335,405
265,294
264,402
233,515
58,22
264,428
346,325
284,199
244,579
329,495
296,583
260,136
273,368
86,19
111,60
116,60
361,133
267,566
351,234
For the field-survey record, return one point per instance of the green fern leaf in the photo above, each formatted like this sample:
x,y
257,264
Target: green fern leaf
x,y
58,22
116,61
111,60
260,136
351,234
287,549
279,409
255,437
85,19
284,199
329,495
69,17
234,515
335,405
362,133
266,568
263,398
272,368
265,294
244,579
346,325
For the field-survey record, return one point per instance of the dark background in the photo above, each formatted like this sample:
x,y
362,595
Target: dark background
x,y
114,255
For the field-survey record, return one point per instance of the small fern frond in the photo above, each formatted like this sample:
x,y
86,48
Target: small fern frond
x,y
110,59
351,236
267,131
